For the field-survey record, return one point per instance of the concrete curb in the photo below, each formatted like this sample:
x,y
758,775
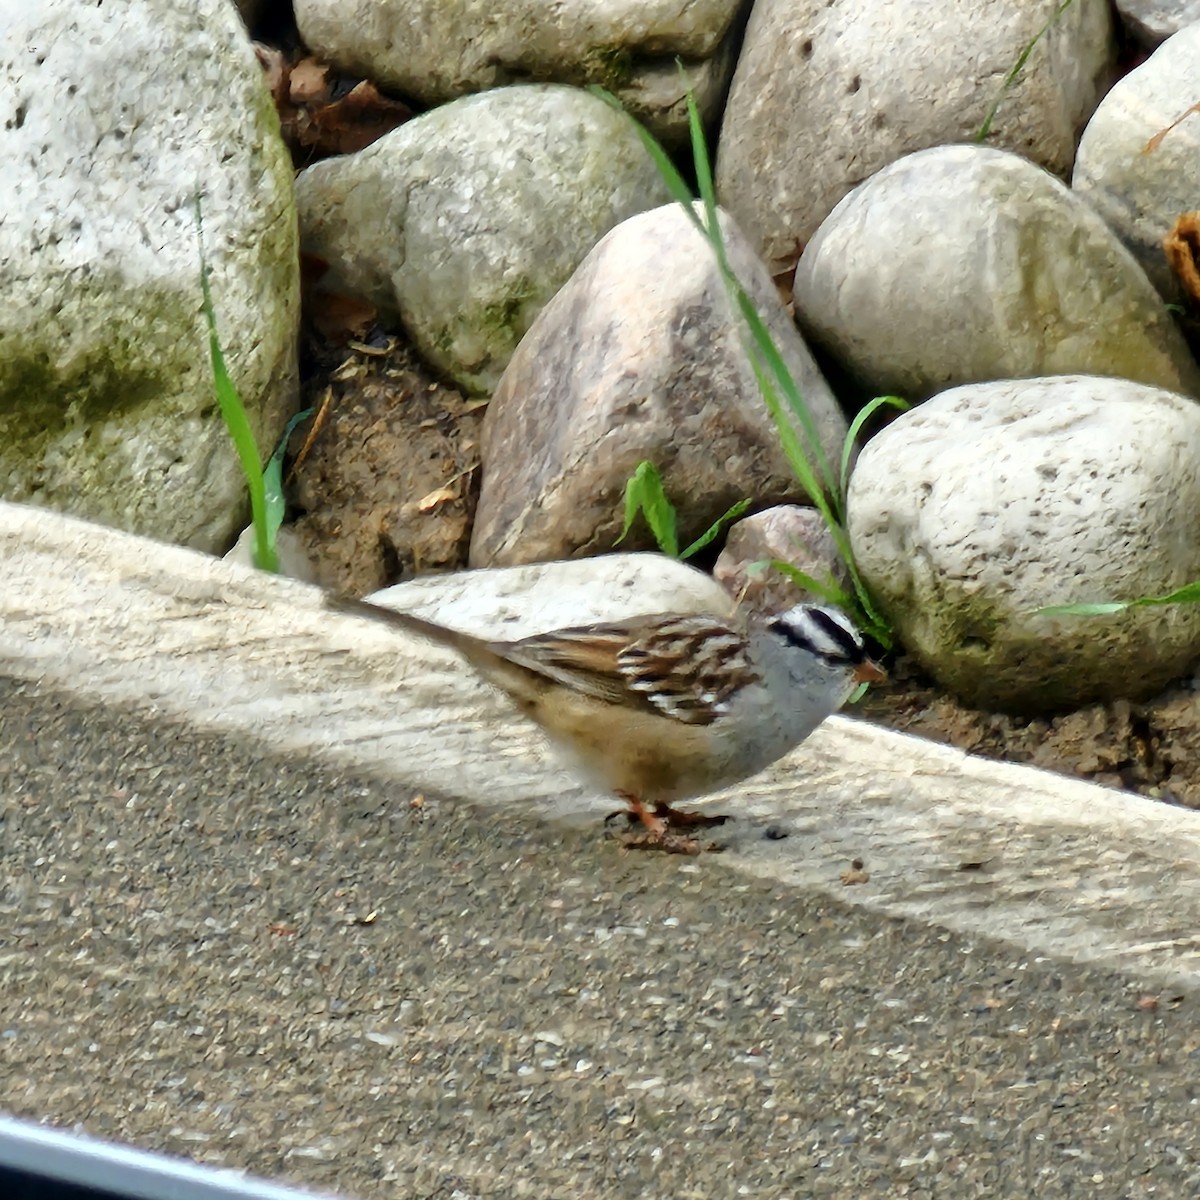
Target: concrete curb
x,y
1051,864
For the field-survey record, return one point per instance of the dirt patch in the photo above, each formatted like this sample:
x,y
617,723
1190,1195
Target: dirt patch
x,y
1152,748
387,488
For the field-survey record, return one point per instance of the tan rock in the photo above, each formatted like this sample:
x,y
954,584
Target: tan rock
x,y
649,53
639,356
787,533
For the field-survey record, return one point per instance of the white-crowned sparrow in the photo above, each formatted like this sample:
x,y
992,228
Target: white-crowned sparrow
x,y
663,708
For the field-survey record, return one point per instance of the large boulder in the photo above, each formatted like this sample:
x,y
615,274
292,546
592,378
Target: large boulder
x,y
465,221
827,94
963,264
650,53
640,356
1139,158
116,113
989,502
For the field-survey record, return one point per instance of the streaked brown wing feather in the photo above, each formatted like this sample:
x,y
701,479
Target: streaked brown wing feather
x,y
585,659
685,668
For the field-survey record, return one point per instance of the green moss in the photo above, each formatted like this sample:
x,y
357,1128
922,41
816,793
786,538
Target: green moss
x,y
609,66
507,318
38,402
65,404
974,625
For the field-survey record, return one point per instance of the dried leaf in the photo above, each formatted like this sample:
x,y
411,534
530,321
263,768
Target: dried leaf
x,y
1157,140
355,121
1182,248
382,349
314,431
854,874
441,495
336,316
339,317
309,83
784,282
275,69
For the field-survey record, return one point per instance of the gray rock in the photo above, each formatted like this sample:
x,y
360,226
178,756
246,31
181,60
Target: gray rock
x,y
466,220
516,602
963,264
1153,21
787,532
991,501
640,356
826,94
1139,163
106,394
438,50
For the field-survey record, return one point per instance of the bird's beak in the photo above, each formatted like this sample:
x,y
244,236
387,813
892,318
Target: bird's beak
x,y
869,672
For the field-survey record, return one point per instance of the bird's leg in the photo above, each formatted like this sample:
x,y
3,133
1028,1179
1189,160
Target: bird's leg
x,y
641,814
657,835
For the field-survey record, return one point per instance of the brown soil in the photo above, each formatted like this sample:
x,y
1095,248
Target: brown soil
x,y
387,488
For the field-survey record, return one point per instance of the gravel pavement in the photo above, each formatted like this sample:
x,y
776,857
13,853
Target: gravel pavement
x,y
266,965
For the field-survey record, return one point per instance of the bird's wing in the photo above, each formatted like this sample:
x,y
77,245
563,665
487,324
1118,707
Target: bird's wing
x,y
684,668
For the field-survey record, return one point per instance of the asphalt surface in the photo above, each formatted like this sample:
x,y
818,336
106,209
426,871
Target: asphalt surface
x,y
265,965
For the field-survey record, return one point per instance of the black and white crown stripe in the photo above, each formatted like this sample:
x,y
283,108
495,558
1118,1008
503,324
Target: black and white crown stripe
x,y
825,632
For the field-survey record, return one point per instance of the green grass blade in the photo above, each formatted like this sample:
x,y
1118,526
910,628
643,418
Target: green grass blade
x,y
715,528
856,426
1083,610
828,590
1188,594
873,622
793,450
644,493
1017,68
632,508
793,420
764,345
675,182
760,335
704,177
236,421
276,505
710,229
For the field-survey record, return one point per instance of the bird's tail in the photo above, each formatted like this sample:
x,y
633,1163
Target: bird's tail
x,y
401,620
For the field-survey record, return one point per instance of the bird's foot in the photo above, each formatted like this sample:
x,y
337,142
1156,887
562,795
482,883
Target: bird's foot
x,y
657,828
677,818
